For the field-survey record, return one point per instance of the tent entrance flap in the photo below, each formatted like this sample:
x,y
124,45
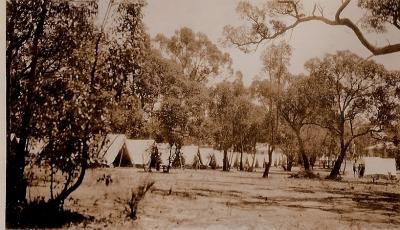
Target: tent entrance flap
x,y
122,159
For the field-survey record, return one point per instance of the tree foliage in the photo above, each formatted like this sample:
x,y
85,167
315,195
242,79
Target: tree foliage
x,y
380,13
62,83
198,57
192,60
298,109
275,60
358,97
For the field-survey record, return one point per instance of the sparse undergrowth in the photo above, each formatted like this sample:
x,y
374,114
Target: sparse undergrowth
x,y
192,198
132,202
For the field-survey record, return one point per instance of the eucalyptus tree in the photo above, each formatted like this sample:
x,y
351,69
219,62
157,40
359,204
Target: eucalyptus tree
x,y
276,59
42,38
242,109
315,141
221,111
196,60
61,86
289,146
358,97
255,131
298,109
198,57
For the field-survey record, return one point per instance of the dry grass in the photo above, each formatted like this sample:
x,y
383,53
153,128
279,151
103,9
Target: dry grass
x,y
206,199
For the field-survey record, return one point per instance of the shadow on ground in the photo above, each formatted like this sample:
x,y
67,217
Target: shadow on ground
x,y
343,201
42,216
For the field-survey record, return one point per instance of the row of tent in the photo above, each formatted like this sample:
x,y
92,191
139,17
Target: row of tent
x,y
121,151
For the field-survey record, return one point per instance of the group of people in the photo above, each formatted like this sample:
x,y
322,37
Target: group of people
x,y
358,169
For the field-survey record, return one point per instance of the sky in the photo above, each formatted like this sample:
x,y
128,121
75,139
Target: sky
x,y
310,40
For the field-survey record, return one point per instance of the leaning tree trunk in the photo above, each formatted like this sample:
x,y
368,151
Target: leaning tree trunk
x,y
59,200
338,163
268,166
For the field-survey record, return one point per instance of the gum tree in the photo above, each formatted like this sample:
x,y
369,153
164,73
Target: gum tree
x,y
61,87
198,57
39,46
222,112
298,109
196,60
358,98
275,60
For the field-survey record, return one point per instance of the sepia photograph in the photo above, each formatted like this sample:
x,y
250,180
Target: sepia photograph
x,y
200,114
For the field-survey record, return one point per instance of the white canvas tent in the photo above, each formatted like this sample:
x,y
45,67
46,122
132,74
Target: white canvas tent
x,y
262,155
207,152
189,152
114,152
139,150
120,151
260,158
252,159
277,157
379,166
219,157
248,157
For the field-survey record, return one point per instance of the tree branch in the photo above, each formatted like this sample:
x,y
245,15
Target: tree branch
x,y
338,21
340,10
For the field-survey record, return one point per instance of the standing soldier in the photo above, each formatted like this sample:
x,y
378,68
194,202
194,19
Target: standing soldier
x,y
354,168
154,159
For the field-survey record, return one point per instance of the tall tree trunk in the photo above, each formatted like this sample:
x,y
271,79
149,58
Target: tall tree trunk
x,y
289,164
343,148
16,186
268,166
241,154
306,162
241,161
225,165
169,158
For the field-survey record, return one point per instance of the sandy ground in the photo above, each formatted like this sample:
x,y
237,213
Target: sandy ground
x,y
207,199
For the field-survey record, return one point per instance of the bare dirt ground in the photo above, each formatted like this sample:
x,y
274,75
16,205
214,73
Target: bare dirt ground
x,y
207,199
